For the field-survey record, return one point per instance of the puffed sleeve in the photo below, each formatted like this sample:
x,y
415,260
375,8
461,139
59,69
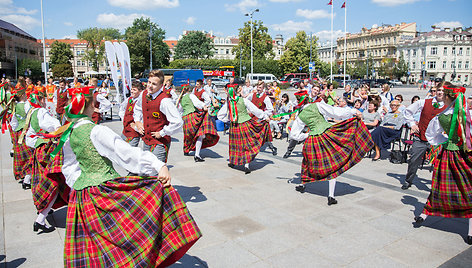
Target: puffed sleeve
x,y
435,134
297,130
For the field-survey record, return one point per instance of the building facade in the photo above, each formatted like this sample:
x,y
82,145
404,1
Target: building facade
x,y
16,44
278,46
324,52
444,53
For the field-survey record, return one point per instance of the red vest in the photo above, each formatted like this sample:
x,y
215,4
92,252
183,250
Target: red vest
x,y
96,117
62,100
153,119
259,102
199,94
128,131
427,114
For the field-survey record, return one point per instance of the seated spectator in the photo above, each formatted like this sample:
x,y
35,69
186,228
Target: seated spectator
x,y
283,106
348,96
389,130
370,116
357,105
417,115
329,95
399,98
431,93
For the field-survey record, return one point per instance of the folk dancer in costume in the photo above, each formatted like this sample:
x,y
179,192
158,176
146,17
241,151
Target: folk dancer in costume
x,y
329,150
22,153
303,100
428,108
6,109
156,116
451,186
50,97
29,86
100,103
246,133
113,220
263,102
199,130
170,90
62,99
130,133
47,182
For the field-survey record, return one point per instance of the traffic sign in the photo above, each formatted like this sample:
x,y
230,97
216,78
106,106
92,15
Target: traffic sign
x,y
300,68
311,66
408,73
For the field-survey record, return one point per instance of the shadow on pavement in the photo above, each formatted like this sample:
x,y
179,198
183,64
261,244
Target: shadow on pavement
x,y
421,184
172,139
210,154
11,264
58,218
259,164
190,194
189,261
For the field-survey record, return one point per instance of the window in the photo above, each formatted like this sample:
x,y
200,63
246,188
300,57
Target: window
x,y
467,51
434,51
453,64
453,50
445,51
227,51
78,63
466,66
459,65
444,64
460,51
431,65
413,65
414,52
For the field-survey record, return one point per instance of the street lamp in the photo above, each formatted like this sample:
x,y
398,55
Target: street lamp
x,y
250,15
150,47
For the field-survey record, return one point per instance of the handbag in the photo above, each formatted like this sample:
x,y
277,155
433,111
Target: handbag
x,y
398,156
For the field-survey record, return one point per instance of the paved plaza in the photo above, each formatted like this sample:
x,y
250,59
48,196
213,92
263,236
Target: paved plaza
x,y
259,220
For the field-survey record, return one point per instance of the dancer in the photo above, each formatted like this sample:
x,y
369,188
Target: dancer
x,y
51,102
329,150
48,191
246,134
451,186
199,130
129,134
112,220
100,102
156,116
62,99
303,100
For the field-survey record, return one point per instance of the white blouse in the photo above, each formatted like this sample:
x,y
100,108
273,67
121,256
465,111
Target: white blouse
x,y
223,114
46,122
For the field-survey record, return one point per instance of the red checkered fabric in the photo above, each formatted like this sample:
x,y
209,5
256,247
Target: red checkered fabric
x,y
339,148
198,124
22,158
128,222
246,140
47,179
451,186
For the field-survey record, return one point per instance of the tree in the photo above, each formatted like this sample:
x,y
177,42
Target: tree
x,y
386,67
297,53
137,39
262,42
401,68
62,70
60,53
194,45
30,66
95,52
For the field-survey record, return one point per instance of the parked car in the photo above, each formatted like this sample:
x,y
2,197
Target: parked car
x,y
380,82
219,82
294,82
395,82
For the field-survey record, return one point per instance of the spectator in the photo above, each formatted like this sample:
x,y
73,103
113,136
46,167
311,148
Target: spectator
x,y
399,98
348,96
330,95
417,115
370,116
283,106
431,93
358,105
247,89
211,89
386,93
270,92
389,130
104,90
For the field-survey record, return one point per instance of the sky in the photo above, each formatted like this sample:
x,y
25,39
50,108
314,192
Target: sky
x,y
63,18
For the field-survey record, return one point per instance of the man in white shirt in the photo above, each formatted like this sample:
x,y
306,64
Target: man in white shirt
x,y
211,89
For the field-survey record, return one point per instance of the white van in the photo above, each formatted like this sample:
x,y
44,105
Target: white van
x,y
254,78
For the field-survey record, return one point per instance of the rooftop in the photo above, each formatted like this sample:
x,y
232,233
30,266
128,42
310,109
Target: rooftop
x,y
14,29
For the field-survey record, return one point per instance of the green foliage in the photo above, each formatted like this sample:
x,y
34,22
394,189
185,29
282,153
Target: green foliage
x,y
60,53
194,45
262,42
32,65
62,70
297,53
137,40
386,67
95,52
401,68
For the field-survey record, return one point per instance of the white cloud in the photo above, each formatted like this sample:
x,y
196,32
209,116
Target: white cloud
x,y
7,7
22,10
326,35
22,21
144,4
448,24
391,3
67,23
119,21
70,37
243,5
313,14
292,26
190,20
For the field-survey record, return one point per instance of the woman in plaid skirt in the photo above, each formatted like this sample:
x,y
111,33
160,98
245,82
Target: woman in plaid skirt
x,y
246,133
329,150
199,129
117,221
451,186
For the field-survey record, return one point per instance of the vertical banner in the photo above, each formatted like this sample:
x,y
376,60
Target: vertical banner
x,y
119,55
111,57
127,66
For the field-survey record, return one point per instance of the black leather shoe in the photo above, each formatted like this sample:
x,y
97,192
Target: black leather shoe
x,y
274,151
406,185
247,170
332,201
26,186
186,154
11,153
230,165
20,181
43,227
418,221
198,159
469,240
301,188
286,155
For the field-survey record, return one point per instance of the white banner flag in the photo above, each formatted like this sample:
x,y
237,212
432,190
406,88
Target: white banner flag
x,y
119,55
111,57
127,66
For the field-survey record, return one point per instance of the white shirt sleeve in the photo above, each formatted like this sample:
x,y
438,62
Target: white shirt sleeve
x,y
254,110
138,109
133,159
173,116
70,167
46,121
122,111
174,96
411,110
269,107
206,98
13,122
105,104
336,113
297,130
435,133
223,113
196,102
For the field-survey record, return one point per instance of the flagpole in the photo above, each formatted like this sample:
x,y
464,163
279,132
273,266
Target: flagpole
x,y
331,56
345,41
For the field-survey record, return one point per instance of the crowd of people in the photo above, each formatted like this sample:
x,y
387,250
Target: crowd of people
x,y
62,153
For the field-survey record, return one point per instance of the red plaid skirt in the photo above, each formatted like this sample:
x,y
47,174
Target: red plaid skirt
x,y
198,124
339,148
451,187
13,136
22,158
47,179
246,140
128,222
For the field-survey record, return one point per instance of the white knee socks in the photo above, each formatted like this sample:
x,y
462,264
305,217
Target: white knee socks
x,y
470,227
198,145
332,186
41,219
27,179
246,165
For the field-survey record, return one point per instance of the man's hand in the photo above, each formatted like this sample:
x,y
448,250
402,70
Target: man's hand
x,y
415,129
164,176
205,108
156,135
358,114
139,127
96,110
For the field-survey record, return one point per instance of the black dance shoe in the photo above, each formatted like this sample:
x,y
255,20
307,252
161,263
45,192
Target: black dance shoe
x,y
198,159
332,201
468,240
286,155
301,188
26,186
43,227
274,151
247,170
11,153
418,221
186,154
230,165
406,185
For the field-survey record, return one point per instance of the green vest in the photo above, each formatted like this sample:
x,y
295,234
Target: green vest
x,y
243,115
95,168
445,122
312,117
20,114
35,125
187,105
